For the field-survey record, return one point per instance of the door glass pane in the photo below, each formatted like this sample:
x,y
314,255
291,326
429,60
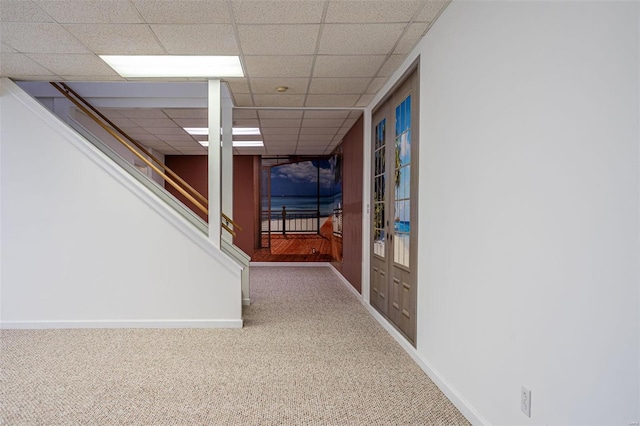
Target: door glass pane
x,y
379,191
402,180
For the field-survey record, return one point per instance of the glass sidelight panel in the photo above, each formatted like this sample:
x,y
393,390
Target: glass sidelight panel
x,y
402,174
379,191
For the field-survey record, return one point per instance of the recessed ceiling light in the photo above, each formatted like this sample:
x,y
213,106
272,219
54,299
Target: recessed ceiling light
x,y
197,131
238,131
174,65
248,144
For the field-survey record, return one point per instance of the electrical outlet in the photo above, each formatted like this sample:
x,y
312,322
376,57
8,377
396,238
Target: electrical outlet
x,y
525,401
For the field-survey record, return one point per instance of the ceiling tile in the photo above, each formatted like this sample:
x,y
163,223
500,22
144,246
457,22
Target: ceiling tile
x,y
171,133
251,151
318,131
281,151
114,77
143,137
365,100
280,122
73,64
331,100
339,85
123,123
141,113
238,85
155,144
5,48
90,11
376,84
278,66
347,65
322,122
40,38
368,11
349,123
274,139
278,39
244,113
297,86
243,100
411,37
279,100
116,39
17,64
246,122
192,122
22,11
193,151
326,114
391,65
153,122
186,112
182,143
355,114
184,12
197,39
431,10
280,131
359,39
246,137
279,113
277,12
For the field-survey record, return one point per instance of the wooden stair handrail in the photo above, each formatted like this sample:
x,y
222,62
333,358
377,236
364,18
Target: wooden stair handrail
x,y
168,171
111,131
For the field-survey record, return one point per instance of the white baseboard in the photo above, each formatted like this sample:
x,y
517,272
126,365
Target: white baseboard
x,y
34,325
344,281
246,302
454,396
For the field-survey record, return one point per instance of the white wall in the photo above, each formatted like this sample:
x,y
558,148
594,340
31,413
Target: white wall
x,y
120,149
529,201
91,246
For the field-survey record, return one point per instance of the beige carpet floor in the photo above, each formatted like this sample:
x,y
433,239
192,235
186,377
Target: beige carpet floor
x,y
309,354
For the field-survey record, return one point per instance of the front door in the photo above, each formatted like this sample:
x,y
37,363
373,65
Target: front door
x,y
394,207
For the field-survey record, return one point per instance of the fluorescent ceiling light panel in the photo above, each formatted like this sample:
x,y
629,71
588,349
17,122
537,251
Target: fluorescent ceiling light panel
x,y
204,143
243,131
238,131
248,144
174,65
197,131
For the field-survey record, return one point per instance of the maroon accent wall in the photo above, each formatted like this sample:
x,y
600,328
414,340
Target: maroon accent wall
x,y
351,265
194,169
246,199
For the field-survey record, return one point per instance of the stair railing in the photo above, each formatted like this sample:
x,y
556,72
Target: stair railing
x,y
144,155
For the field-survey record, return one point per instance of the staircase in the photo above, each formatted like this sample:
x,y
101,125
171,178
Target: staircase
x,y
89,241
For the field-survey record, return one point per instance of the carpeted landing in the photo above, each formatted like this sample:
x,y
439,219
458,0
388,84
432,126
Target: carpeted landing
x,y
309,354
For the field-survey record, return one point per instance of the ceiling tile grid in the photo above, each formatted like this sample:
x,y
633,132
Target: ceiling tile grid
x,y
330,54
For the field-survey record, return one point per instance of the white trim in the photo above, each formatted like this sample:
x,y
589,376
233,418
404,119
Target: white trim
x,y
344,281
214,162
120,175
26,325
454,396
246,302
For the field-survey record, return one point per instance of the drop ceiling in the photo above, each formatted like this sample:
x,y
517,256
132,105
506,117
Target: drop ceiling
x,y
331,54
